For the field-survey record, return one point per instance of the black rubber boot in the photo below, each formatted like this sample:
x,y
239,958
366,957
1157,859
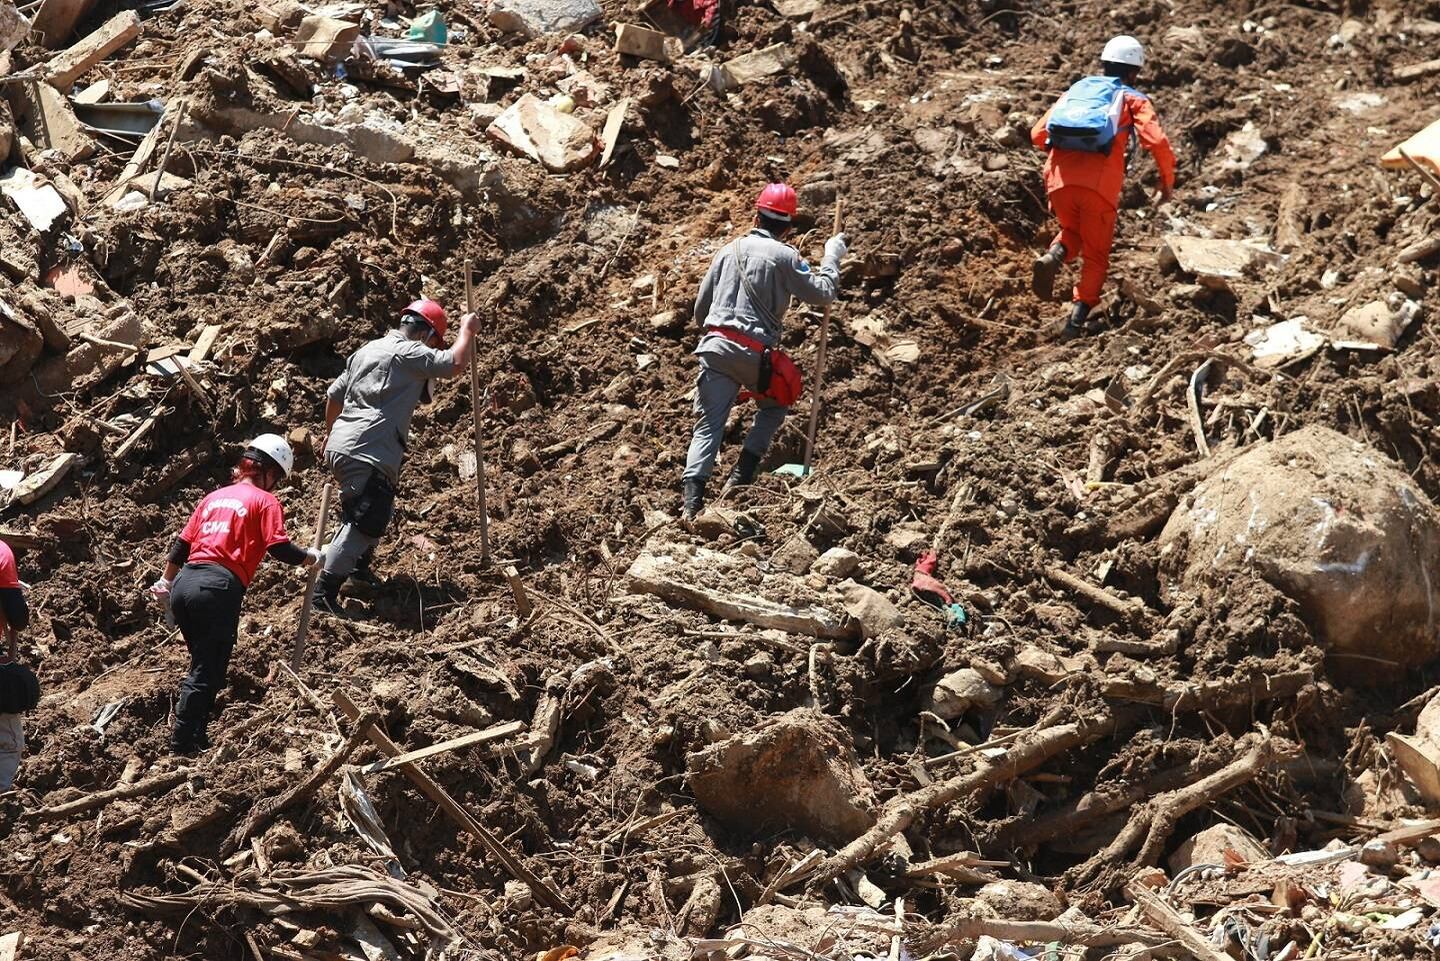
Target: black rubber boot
x,y
327,593
364,573
1044,271
744,471
1075,326
694,497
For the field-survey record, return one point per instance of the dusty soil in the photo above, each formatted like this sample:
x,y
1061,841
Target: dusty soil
x,y
903,116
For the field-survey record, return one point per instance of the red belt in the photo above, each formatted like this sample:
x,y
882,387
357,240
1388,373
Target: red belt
x,y
734,335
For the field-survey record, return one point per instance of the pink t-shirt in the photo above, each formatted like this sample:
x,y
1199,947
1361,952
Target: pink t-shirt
x,y
233,527
9,577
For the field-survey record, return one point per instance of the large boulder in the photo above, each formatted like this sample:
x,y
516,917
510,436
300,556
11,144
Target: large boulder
x,y
798,772
1331,523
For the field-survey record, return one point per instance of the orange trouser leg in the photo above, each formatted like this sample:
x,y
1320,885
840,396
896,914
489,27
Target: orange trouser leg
x,y
1087,228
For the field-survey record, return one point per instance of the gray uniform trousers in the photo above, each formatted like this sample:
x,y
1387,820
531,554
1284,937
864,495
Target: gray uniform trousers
x,y
350,544
726,367
12,746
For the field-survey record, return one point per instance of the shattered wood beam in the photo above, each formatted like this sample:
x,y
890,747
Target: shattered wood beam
x,y
495,733
1032,749
1034,932
1096,805
543,891
161,782
1152,824
1130,610
1167,919
663,576
545,728
65,68
264,813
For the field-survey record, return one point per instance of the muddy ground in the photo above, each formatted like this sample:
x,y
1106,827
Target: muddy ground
x,y
917,117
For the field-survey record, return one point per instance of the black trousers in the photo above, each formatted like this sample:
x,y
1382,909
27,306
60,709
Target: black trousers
x,y
206,601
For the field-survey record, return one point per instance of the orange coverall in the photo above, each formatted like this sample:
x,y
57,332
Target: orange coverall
x,y
1084,190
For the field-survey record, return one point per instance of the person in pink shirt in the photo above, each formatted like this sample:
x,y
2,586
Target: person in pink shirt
x,y
210,565
19,690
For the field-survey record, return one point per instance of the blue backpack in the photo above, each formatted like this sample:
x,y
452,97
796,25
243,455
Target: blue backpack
x,y
1087,117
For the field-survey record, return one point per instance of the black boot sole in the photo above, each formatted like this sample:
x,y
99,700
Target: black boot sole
x,y
1042,277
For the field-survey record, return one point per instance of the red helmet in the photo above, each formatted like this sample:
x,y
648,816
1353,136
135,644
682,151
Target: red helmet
x,y
432,313
777,200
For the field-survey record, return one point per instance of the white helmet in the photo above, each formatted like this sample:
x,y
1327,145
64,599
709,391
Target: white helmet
x,y
1123,49
277,449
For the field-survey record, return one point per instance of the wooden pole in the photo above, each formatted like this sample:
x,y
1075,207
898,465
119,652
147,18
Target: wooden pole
x,y
475,411
816,394
155,192
299,653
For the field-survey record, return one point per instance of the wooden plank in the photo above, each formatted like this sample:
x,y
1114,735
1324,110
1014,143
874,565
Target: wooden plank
x,y
1167,919
11,944
139,160
205,342
1414,71
55,21
67,67
1412,833
523,604
614,121
454,744
543,891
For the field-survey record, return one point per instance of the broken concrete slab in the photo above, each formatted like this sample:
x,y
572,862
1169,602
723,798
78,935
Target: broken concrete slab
x,y
1210,847
46,117
34,196
20,345
1241,148
532,128
959,692
682,575
1283,343
797,772
798,9
1212,258
536,18
637,41
1333,524
56,20
753,66
463,164
1377,325
14,25
65,68
871,609
1290,217
326,39
836,562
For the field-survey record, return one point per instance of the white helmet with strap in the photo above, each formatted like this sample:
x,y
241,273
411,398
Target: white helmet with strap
x,y
277,449
1123,49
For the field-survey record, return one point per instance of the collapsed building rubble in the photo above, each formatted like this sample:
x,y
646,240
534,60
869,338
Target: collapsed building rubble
x,y
1174,699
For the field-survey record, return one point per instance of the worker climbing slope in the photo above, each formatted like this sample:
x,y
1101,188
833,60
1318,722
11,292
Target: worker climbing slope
x,y
1087,134
210,566
367,416
741,306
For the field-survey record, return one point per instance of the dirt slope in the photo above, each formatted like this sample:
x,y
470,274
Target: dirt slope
x,y
917,117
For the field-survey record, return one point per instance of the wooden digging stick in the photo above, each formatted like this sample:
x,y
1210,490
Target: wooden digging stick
x,y
820,367
479,447
299,653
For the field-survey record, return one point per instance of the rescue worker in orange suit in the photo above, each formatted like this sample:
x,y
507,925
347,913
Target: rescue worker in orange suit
x,y
1084,187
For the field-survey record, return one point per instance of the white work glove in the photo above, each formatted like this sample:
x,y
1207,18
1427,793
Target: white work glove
x,y
837,247
160,590
314,556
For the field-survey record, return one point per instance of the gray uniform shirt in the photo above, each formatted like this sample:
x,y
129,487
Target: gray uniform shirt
x,y
378,391
755,305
